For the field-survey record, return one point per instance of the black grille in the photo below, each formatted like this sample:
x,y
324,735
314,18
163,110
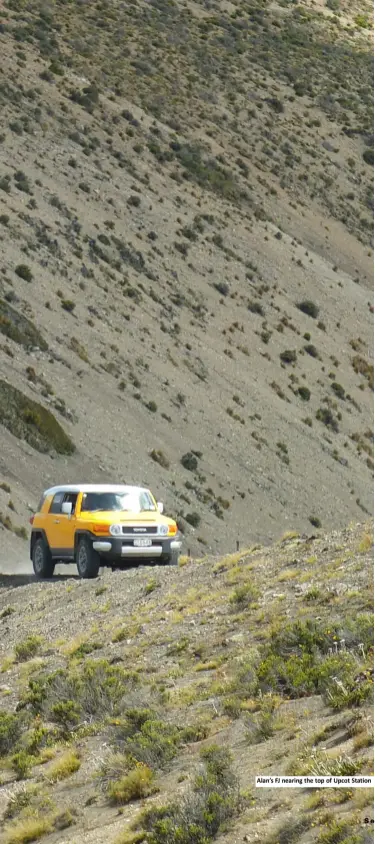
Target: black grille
x,y
135,530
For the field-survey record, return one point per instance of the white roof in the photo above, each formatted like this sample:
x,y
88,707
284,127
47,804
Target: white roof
x,y
94,488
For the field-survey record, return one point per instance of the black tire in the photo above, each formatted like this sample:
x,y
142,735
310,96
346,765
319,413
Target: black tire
x,y
87,560
43,564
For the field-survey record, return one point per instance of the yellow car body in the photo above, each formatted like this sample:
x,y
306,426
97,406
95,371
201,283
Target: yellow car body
x,y
96,525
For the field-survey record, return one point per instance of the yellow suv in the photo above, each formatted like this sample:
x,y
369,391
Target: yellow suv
x,y
100,525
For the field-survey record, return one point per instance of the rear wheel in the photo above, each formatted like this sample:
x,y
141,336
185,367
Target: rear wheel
x,y
43,564
88,560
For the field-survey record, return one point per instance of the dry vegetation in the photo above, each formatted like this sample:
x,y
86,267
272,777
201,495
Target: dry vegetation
x,y
148,716
185,284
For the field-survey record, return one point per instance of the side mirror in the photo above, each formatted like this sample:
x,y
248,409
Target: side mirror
x,y
67,508
160,506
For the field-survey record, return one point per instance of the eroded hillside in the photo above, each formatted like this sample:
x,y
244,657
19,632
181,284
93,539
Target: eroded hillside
x,y
185,281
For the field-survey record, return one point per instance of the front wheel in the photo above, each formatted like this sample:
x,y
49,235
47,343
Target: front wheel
x,y
172,559
43,564
88,560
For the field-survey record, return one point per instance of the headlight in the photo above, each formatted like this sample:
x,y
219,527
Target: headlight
x,y
115,530
163,530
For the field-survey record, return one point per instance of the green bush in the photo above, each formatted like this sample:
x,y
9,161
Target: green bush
x,y
18,328
93,690
68,305
194,519
222,287
27,648
24,272
144,738
159,457
297,662
28,420
288,356
132,786
308,307
189,461
325,415
339,390
10,732
311,350
244,595
203,812
368,157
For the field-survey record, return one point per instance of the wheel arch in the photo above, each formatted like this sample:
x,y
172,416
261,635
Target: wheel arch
x,y
82,534
37,533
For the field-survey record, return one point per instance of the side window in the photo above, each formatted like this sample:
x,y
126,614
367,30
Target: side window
x,y
41,502
56,503
146,501
72,497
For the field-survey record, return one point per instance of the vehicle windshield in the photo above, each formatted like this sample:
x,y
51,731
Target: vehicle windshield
x,y
134,501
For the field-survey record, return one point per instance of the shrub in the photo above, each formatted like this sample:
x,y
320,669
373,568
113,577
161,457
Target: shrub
x,y
189,461
132,786
63,767
23,271
90,691
311,350
315,521
134,201
308,307
276,105
325,415
203,812
88,97
18,328
28,420
10,732
28,648
29,829
338,389
244,595
159,457
304,393
368,157
21,763
206,172
261,726
362,367
68,305
5,183
222,287
255,308
194,519
152,406
288,356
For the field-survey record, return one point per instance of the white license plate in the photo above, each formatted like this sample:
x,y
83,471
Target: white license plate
x,y
142,543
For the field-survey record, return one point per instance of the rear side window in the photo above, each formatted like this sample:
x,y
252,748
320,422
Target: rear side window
x,y
56,503
41,502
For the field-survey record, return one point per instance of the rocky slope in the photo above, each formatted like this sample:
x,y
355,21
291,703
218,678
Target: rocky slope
x,y
185,225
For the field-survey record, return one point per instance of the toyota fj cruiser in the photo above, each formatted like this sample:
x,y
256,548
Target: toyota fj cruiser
x,y
94,526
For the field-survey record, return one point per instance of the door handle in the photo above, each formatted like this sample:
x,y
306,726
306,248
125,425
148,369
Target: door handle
x,y
56,521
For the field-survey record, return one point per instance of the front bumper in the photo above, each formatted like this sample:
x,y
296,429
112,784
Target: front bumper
x,y
115,548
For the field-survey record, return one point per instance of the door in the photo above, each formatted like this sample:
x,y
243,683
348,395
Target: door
x,y
61,527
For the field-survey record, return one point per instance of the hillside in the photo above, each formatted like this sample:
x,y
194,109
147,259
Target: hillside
x,y
186,239
111,715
